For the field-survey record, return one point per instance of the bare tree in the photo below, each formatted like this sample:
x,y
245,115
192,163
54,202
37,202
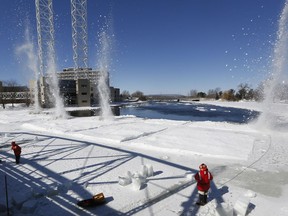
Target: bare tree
x,y
229,95
213,93
193,93
201,94
139,95
125,94
243,91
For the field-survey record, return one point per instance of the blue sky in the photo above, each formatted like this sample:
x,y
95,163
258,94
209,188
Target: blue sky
x,y
160,46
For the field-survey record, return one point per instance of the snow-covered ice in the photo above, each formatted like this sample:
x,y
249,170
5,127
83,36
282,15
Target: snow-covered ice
x,y
143,166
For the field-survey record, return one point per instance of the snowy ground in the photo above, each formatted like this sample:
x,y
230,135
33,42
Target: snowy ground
x,y
66,160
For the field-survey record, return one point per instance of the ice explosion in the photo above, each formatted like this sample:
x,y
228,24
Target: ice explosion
x,y
274,91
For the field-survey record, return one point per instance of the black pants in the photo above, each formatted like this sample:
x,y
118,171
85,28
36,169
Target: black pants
x,y
17,157
203,197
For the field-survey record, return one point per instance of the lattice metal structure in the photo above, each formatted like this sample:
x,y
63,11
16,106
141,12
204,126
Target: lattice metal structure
x,y
79,35
45,33
14,95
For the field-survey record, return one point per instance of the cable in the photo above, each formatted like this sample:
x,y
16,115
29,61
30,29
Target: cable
x,y
268,149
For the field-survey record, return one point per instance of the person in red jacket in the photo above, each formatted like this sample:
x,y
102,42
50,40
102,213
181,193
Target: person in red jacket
x,y
203,178
17,151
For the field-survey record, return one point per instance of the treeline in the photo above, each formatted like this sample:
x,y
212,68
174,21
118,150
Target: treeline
x,y
242,92
125,95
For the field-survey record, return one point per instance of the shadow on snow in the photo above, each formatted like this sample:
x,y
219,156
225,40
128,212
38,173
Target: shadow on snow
x,y
32,175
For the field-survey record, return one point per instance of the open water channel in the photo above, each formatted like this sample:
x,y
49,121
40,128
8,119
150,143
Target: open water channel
x,y
179,111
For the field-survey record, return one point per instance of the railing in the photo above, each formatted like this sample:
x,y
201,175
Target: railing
x,y
14,97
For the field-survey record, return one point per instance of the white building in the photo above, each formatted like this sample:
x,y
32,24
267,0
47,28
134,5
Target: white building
x,y
77,87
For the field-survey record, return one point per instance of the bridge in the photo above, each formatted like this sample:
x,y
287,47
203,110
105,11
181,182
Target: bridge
x,y
15,97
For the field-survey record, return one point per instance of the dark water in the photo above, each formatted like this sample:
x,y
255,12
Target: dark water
x,y
93,112
178,111
189,112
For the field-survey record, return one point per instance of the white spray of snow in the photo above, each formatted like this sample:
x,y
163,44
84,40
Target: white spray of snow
x,y
32,63
54,86
104,64
274,88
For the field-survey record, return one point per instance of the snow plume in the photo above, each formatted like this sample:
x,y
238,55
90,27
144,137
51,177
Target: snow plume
x,y
32,63
52,81
104,61
275,87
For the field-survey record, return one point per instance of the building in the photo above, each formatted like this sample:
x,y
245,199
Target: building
x,y
115,94
77,88
83,92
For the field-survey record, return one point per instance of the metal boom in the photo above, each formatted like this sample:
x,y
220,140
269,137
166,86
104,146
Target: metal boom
x,y
45,33
79,33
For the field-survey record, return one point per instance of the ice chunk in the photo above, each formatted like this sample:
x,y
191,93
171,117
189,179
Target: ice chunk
x,y
129,174
38,192
250,194
129,177
144,171
165,157
241,206
136,183
223,209
150,171
189,175
142,178
123,181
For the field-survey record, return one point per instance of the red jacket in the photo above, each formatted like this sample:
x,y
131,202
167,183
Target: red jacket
x,y
16,149
203,178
